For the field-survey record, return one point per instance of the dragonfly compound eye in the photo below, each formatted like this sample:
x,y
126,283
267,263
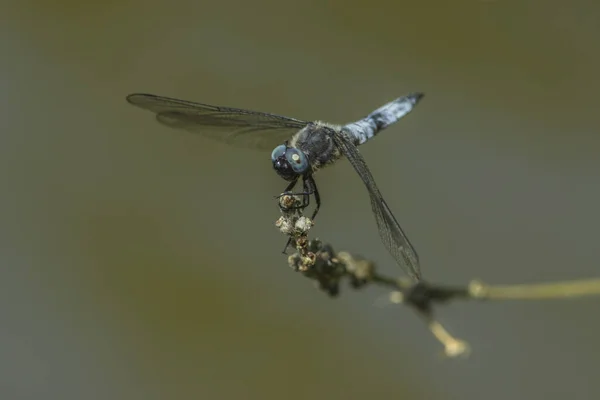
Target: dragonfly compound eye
x,y
278,151
297,160
281,163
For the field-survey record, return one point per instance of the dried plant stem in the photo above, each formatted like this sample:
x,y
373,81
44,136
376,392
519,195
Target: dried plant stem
x,y
554,290
318,261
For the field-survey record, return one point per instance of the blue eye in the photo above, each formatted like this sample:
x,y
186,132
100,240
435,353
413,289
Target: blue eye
x,y
278,152
297,160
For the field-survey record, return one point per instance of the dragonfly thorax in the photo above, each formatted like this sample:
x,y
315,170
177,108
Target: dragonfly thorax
x,y
289,162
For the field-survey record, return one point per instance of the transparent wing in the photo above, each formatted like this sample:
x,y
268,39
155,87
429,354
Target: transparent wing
x,y
242,128
392,235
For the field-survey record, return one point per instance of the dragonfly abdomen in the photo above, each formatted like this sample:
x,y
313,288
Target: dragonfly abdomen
x,y
366,128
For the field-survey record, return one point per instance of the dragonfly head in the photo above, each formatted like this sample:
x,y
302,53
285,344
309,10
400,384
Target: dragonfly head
x,y
289,162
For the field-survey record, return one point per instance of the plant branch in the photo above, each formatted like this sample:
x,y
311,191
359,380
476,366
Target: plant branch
x,y
319,262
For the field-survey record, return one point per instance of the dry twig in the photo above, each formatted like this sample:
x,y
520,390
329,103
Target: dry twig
x,y
319,262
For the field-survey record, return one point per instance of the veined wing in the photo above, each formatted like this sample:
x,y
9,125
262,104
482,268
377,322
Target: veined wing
x,y
238,127
392,235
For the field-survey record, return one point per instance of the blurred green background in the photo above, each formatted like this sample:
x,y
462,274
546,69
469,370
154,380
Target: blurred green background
x,y
142,263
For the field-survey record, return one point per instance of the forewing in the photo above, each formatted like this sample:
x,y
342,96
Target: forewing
x,y
392,235
238,127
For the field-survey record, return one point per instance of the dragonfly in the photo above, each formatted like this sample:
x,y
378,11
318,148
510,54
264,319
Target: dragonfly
x,y
299,149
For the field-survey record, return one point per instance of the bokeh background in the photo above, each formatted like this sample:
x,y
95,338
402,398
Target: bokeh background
x,y
139,262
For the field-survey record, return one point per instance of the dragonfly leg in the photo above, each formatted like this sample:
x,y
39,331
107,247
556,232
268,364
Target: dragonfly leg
x,y
313,189
287,192
290,186
309,187
287,245
306,192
